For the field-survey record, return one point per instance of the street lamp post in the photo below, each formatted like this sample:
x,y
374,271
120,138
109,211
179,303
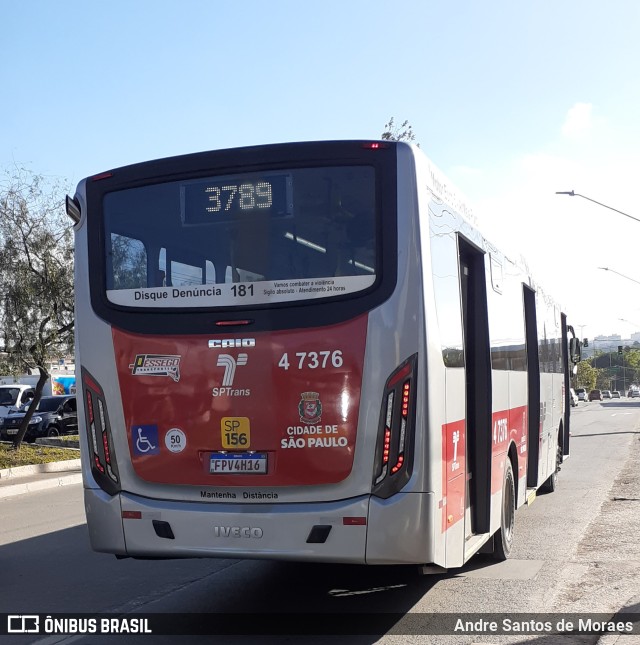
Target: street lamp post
x,y
629,321
620,274
581,330
572,193
624,366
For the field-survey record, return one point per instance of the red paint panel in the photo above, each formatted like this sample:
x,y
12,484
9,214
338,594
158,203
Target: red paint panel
x,y
508,425
454,472
292,395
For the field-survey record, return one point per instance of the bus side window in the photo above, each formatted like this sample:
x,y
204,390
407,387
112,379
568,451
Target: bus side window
x,y
446,288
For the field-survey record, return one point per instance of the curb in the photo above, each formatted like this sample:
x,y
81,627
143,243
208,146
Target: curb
x,y
51,467
28,479
22,487
57,443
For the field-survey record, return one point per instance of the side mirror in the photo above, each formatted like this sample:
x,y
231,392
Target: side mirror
x,y
575,350
73,209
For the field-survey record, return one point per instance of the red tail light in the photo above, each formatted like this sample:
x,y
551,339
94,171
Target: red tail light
x,y
375,145
100,441
102,175
394,451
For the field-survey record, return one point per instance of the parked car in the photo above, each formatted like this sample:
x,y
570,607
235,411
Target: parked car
x,y
615,394
582,394
595,395
606,394
54,416
633,393
573,397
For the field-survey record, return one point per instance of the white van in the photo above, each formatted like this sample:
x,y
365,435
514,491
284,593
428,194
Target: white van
x,y
13,396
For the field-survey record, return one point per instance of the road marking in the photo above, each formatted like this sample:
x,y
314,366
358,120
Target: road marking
x,y
620,413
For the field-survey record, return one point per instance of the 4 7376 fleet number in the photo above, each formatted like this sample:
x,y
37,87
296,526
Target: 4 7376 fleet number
x,y
312,360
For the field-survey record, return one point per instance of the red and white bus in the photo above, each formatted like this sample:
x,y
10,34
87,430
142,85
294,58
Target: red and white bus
x,y
307,351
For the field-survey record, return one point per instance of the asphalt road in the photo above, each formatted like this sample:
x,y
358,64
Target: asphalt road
x,y
575,550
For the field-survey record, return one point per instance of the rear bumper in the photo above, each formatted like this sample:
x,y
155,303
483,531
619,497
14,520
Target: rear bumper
x,y
260,531
360,530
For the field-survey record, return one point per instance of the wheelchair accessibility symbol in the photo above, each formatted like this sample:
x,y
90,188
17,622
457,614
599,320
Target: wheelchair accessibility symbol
x,y
145,440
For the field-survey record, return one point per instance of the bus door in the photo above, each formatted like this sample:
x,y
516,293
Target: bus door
x,y
533,381
477,388
567,363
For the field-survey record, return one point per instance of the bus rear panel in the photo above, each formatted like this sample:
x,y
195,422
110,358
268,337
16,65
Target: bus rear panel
x,y
268,365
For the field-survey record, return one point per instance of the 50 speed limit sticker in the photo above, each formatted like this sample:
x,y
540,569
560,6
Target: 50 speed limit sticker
x,y
175,440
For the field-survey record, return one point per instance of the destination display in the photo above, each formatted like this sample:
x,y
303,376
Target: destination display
x,y
231,197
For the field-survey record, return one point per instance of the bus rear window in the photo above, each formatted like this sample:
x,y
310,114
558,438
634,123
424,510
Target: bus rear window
x,y
244,239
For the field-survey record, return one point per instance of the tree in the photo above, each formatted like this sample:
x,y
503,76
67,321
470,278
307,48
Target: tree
x,y
36,277
587,375
404,132
632,365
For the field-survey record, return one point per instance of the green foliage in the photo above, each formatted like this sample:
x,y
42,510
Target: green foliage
x,y
617,372
603,380
587,375
36,275
403,132
5,368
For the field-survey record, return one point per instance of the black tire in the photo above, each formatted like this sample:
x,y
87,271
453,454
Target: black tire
x,y
503,539
552,483
53,431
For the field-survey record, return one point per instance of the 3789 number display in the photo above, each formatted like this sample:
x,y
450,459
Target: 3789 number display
x,y
247,197
223,199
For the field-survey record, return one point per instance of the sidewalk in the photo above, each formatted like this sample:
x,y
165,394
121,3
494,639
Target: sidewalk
x,y
27,479
608,557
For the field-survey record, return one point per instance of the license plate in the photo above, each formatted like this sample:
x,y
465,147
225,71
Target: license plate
x,y
15,430
238,464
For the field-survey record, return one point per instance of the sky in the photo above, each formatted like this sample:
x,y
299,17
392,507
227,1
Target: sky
x,y
512,99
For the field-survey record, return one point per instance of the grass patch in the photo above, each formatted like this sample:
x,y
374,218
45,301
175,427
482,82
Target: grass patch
x,y
29,454
74,437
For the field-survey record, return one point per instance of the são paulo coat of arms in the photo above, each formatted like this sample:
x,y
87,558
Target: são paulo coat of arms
x,y
310,407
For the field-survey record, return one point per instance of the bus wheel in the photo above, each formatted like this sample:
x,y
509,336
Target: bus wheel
x,y
503,539
552,483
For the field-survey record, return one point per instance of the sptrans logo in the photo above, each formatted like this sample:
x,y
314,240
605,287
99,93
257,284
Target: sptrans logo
x,y
230,364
